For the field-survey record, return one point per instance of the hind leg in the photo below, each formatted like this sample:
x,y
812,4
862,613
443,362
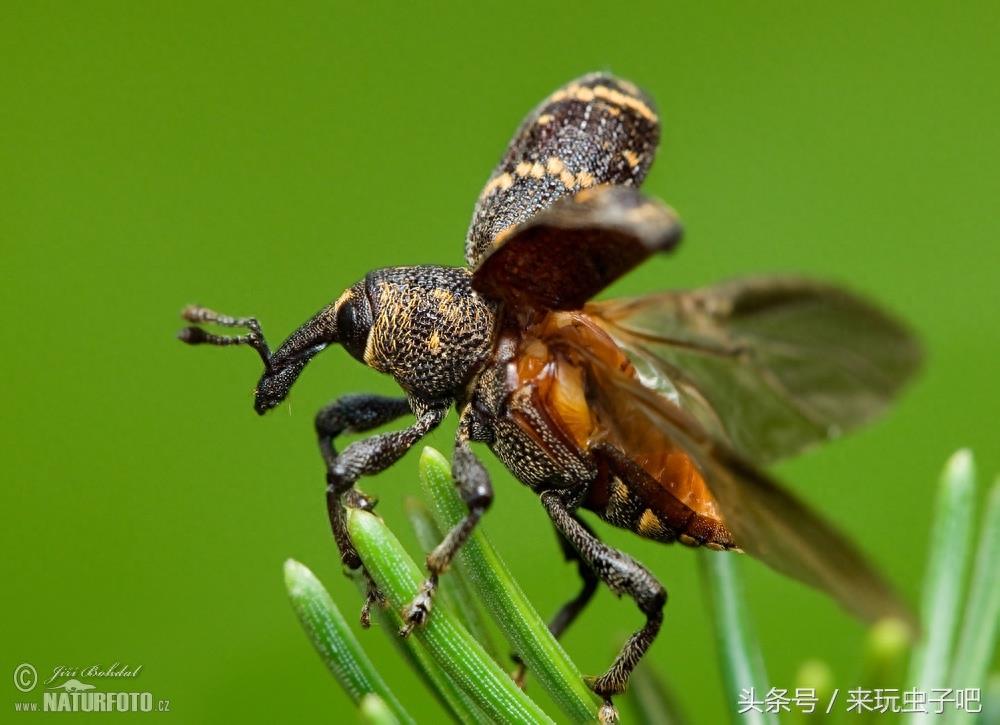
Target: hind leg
x,y
623,575
568,612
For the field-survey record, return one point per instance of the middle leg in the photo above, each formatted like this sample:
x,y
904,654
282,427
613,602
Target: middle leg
x,y
477,493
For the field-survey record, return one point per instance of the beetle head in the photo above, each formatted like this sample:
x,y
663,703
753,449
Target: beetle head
x,y
423,325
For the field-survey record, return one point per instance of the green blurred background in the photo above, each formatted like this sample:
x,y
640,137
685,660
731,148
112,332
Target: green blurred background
x,y
260,157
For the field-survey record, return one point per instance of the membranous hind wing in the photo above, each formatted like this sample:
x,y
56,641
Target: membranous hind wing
x,y
770,365
560,217
764,519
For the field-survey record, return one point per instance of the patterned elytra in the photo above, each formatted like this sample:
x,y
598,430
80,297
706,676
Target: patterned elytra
x,y
595,130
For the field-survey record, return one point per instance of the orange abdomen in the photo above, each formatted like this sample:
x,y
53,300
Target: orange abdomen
x,y
645,482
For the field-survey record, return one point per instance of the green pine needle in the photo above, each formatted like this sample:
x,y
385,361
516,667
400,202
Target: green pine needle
x,y
482,566
453,591
374,711
449,695
946,566
337,646
452,648
978,638
742,662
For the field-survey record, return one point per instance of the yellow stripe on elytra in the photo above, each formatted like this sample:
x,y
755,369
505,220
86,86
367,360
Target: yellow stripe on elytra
x,y
553,166
504,181
612,99
611,95
632,157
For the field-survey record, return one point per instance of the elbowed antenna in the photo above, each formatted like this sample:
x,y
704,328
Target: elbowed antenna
x,y
197,336
283,366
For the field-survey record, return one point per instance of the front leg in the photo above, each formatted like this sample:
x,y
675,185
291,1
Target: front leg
x,y
477,493
352,414
623,575
364,458
355,413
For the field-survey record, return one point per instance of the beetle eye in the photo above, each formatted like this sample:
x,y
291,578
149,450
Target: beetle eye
x,y
354,320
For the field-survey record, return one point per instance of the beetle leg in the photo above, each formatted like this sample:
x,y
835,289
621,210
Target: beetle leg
x,y
568,612
623,575
364,458
355,414
477,492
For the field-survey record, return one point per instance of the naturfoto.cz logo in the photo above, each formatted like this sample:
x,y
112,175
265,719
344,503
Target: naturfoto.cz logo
x,y
67,690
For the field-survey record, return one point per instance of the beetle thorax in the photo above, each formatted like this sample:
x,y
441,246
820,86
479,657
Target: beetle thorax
x,y
430,330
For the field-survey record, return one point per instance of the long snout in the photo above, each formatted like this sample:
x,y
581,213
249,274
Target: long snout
x,y
274,384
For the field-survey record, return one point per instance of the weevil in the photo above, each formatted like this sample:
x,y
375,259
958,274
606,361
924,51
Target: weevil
x,y
654,413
